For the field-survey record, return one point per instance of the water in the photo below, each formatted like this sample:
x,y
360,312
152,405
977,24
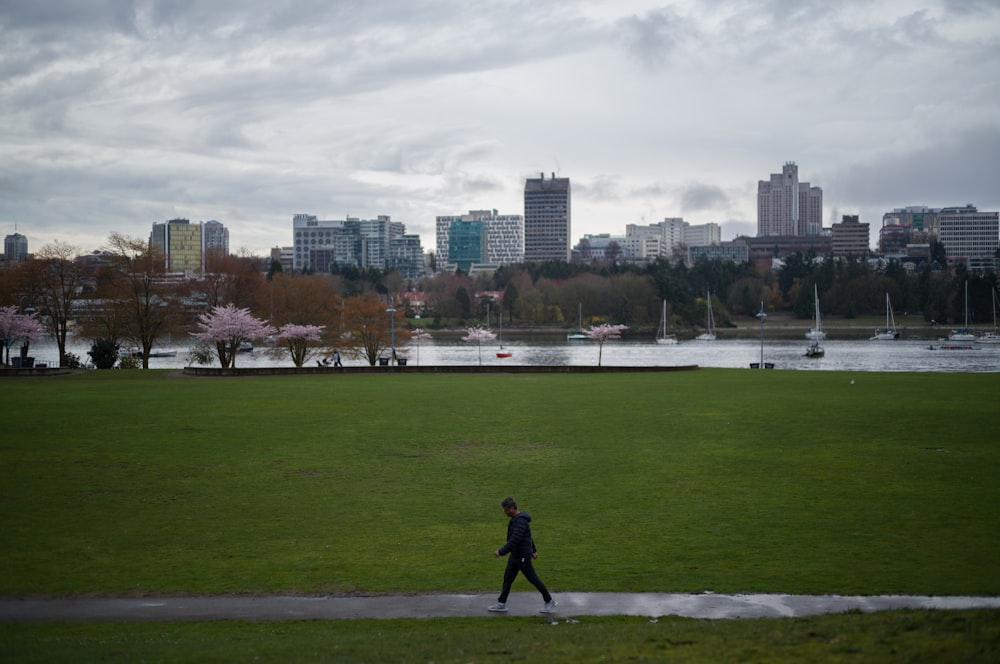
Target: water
x,y
841,355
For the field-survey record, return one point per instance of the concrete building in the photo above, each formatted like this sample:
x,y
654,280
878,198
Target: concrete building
x,y
969,236
15,248
180,244
318,245
285,257
502,240
702,235
787,207
850,237
547,219
737,251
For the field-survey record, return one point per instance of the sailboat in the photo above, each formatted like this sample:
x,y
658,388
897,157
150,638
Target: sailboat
x,y
661,333
889,332
709,334
578,335
502,352
963,334
816,333
815,350
994,336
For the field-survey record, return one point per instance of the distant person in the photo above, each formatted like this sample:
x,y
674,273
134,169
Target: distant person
x,y
336,359
521,548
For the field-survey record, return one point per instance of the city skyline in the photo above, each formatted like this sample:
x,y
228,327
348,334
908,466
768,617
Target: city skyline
x,y
118,115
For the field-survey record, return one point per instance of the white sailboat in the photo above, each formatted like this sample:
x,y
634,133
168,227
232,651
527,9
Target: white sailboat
x,y
709,334
816,333
578,335
889,332
963,334
661,333
994,336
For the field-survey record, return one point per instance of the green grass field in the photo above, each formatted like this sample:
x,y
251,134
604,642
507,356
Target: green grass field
x,y
723,480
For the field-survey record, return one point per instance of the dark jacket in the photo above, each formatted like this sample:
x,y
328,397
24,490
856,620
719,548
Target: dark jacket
x,y
519,542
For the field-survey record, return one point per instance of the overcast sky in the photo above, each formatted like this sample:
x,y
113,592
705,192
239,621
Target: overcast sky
x,y
115,114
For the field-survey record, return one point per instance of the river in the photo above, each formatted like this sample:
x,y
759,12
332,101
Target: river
x,y
841,355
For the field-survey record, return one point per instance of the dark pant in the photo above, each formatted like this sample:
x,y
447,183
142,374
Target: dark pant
x,y
517,564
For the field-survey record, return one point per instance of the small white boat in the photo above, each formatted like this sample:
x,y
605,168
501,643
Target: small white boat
x,y
994,336
709,333
245,347
889,332
816,333
963,333
578,335
661,333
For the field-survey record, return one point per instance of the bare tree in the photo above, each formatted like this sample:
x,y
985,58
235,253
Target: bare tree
x,y
59,281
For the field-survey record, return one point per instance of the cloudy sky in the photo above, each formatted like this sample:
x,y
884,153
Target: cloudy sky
x,y
115,114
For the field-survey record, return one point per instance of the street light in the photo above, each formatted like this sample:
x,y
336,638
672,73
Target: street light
x,y
392,317
761,316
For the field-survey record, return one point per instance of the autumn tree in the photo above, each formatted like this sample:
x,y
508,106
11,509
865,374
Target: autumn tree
x,y
369,326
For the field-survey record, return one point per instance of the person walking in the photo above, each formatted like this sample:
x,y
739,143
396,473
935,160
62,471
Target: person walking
x,y
521,548
336,359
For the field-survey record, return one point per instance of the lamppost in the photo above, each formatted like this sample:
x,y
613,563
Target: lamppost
x,y
392,318
761,316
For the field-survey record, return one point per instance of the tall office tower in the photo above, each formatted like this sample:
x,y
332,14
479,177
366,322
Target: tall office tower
x,y
969,236
216,237
547,219
850,237
180,244
786,206
503,239
15,248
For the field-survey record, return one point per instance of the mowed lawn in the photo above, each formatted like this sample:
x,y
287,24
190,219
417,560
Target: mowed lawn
x,y
124,482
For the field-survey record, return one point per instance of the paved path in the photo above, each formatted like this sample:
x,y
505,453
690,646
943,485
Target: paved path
x,y
235,607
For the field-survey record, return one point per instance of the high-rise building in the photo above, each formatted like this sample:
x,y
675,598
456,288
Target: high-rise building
x,y
216,237
502,238
969,236
788,207
547,219
180,244
15,248
850,237
319,245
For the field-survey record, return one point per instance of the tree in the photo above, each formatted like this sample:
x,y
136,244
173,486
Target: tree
x,y
369,326
479,335
137,302
297,339
601,333
59,280
228,327
15,325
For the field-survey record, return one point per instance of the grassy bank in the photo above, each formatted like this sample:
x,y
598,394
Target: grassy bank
x,y
723,480
726,480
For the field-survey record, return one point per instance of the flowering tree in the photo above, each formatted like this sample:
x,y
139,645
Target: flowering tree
x,y
601,333
228,327
479,335
14,326
297,339
419,334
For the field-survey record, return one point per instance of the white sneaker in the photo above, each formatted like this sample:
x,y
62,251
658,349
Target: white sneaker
x,y
549,606
499,607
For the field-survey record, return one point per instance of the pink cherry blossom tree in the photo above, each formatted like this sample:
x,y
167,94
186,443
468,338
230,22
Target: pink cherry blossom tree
x,y
226,328
16,326
601,333
298,340
479,335
419,335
